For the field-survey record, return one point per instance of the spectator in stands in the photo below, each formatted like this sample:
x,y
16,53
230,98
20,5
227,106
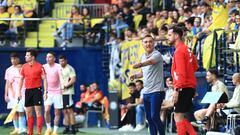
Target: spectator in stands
x,y
128,117
128,34
29,8
86,13
219,14
175,15
181,15
234,101
75,22
232,21
233,6
157,20
4,25
205,30
203,115
15,27
11,4
187,13
189,25
167,102
120,25
196,26
162,34
127,16
139,8
140,111
194,10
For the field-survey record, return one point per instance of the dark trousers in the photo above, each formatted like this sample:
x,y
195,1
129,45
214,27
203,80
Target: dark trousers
x,y
152,103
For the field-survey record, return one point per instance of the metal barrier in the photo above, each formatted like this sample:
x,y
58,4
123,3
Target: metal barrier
x,y
95,10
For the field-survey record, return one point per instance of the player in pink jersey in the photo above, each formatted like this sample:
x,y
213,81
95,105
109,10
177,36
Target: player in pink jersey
x,y
12,76
54,96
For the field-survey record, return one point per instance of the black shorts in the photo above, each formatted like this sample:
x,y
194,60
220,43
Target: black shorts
x,y
33,97
67,101
184,103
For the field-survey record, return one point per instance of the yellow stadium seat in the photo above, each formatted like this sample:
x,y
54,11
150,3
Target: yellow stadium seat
x,y
137,19
46,42
32,34
31,42
95,21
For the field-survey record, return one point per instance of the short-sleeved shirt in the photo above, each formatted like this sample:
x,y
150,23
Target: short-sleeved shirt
x,y
141,93
53,78
32,75
134,95
169,94
153,74
219,87
12,75
67,73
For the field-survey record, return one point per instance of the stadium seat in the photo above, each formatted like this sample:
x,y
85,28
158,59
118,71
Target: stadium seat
x,y
95,21
31,42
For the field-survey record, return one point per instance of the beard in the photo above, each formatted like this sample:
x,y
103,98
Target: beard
x,y
171,43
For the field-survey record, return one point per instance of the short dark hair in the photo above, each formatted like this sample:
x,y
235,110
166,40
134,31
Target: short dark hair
x,y
33,52
131,84
139,81
14,55
53,53
190,20
213,71
177,30
164,27
62,57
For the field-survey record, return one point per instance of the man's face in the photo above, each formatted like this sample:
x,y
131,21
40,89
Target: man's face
x,y
171,37
82,87
95,86
50,58
131,89
148,44
15,60
169,83
209,77
28,57
197,22
139,86
63,62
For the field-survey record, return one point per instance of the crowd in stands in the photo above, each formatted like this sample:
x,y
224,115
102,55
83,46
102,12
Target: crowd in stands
x,y
15,9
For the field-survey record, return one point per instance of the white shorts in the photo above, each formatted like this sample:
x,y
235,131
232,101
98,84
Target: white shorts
x,y
56,100
13,102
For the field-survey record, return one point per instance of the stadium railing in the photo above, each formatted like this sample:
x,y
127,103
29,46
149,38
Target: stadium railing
x,y
95,10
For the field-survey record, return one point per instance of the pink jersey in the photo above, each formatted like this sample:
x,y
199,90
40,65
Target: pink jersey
x,y
53,78
12,75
